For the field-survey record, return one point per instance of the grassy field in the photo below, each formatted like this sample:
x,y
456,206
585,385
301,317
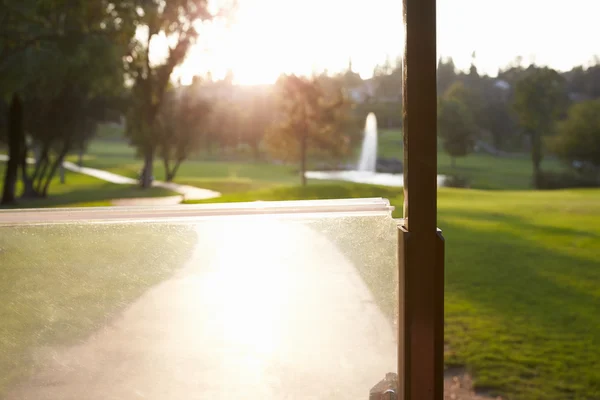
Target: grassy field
x,y
522,271
226,177
55,291
522,284
482,171
85,191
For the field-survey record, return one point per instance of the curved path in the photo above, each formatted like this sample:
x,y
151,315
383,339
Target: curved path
x,y
210,331
187,192
284,316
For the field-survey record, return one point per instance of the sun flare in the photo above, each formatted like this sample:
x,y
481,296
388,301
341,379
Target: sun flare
x,y
265,38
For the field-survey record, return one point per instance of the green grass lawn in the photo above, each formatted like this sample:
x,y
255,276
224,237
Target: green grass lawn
x,y
481,170
59,283
522,267
522,284
85,191
225,177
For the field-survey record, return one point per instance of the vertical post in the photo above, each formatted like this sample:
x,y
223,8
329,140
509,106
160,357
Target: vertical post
x,y
421,342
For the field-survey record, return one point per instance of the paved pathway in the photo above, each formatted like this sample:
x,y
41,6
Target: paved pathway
x,y
186,192
214,330
259,312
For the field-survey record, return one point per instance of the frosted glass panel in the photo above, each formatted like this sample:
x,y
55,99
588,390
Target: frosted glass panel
x,y
279,301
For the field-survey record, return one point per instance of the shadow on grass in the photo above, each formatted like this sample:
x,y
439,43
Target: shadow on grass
x,y
317,191
521,315
59,283
519,222
95,195
226,186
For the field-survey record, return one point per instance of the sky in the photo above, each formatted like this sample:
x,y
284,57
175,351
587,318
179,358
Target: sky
x,y
269,37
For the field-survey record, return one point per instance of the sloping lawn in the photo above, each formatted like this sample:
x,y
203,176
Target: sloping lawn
x,y
225,177
522,284
60,283
481,170
85,191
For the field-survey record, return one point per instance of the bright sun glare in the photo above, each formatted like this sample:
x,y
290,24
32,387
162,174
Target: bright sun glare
x,y
270,37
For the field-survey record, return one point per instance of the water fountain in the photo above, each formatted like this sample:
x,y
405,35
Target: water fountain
x,y
366,171
368,154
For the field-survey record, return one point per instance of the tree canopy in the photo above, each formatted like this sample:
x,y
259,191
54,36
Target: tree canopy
x,y
308,119
177,21
578,139
456,127
181,125
60,61
540,99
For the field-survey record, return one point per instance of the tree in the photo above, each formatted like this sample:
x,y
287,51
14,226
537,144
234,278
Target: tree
x,y
388,86
34,24
256,117
456,128
56,57
176,20
223,125
15,132
182,123
540,99
578,138
467,96
496,119
446,74
308,119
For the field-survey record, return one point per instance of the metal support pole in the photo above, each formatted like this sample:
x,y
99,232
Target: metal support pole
x,y
421,263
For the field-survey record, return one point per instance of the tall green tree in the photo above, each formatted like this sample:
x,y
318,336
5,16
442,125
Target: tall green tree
x,y
497,120
468,96
65,104
182,123
540,99
14,134
308,119
256,116
177,21
46,46
446,74
456,128
578,138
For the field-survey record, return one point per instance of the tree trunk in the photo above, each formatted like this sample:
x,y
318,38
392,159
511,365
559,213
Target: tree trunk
x,y
40,176
15,132
173,172
80,158
55,166
28,189
147,171
256,151
303,159
167,169
208,144
61,172
536,159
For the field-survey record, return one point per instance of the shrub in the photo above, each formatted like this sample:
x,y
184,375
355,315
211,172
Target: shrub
x,y
565,180
457,181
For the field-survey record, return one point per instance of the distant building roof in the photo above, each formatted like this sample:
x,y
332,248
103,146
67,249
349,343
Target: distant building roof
x,y
502,84
362,92
578,97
